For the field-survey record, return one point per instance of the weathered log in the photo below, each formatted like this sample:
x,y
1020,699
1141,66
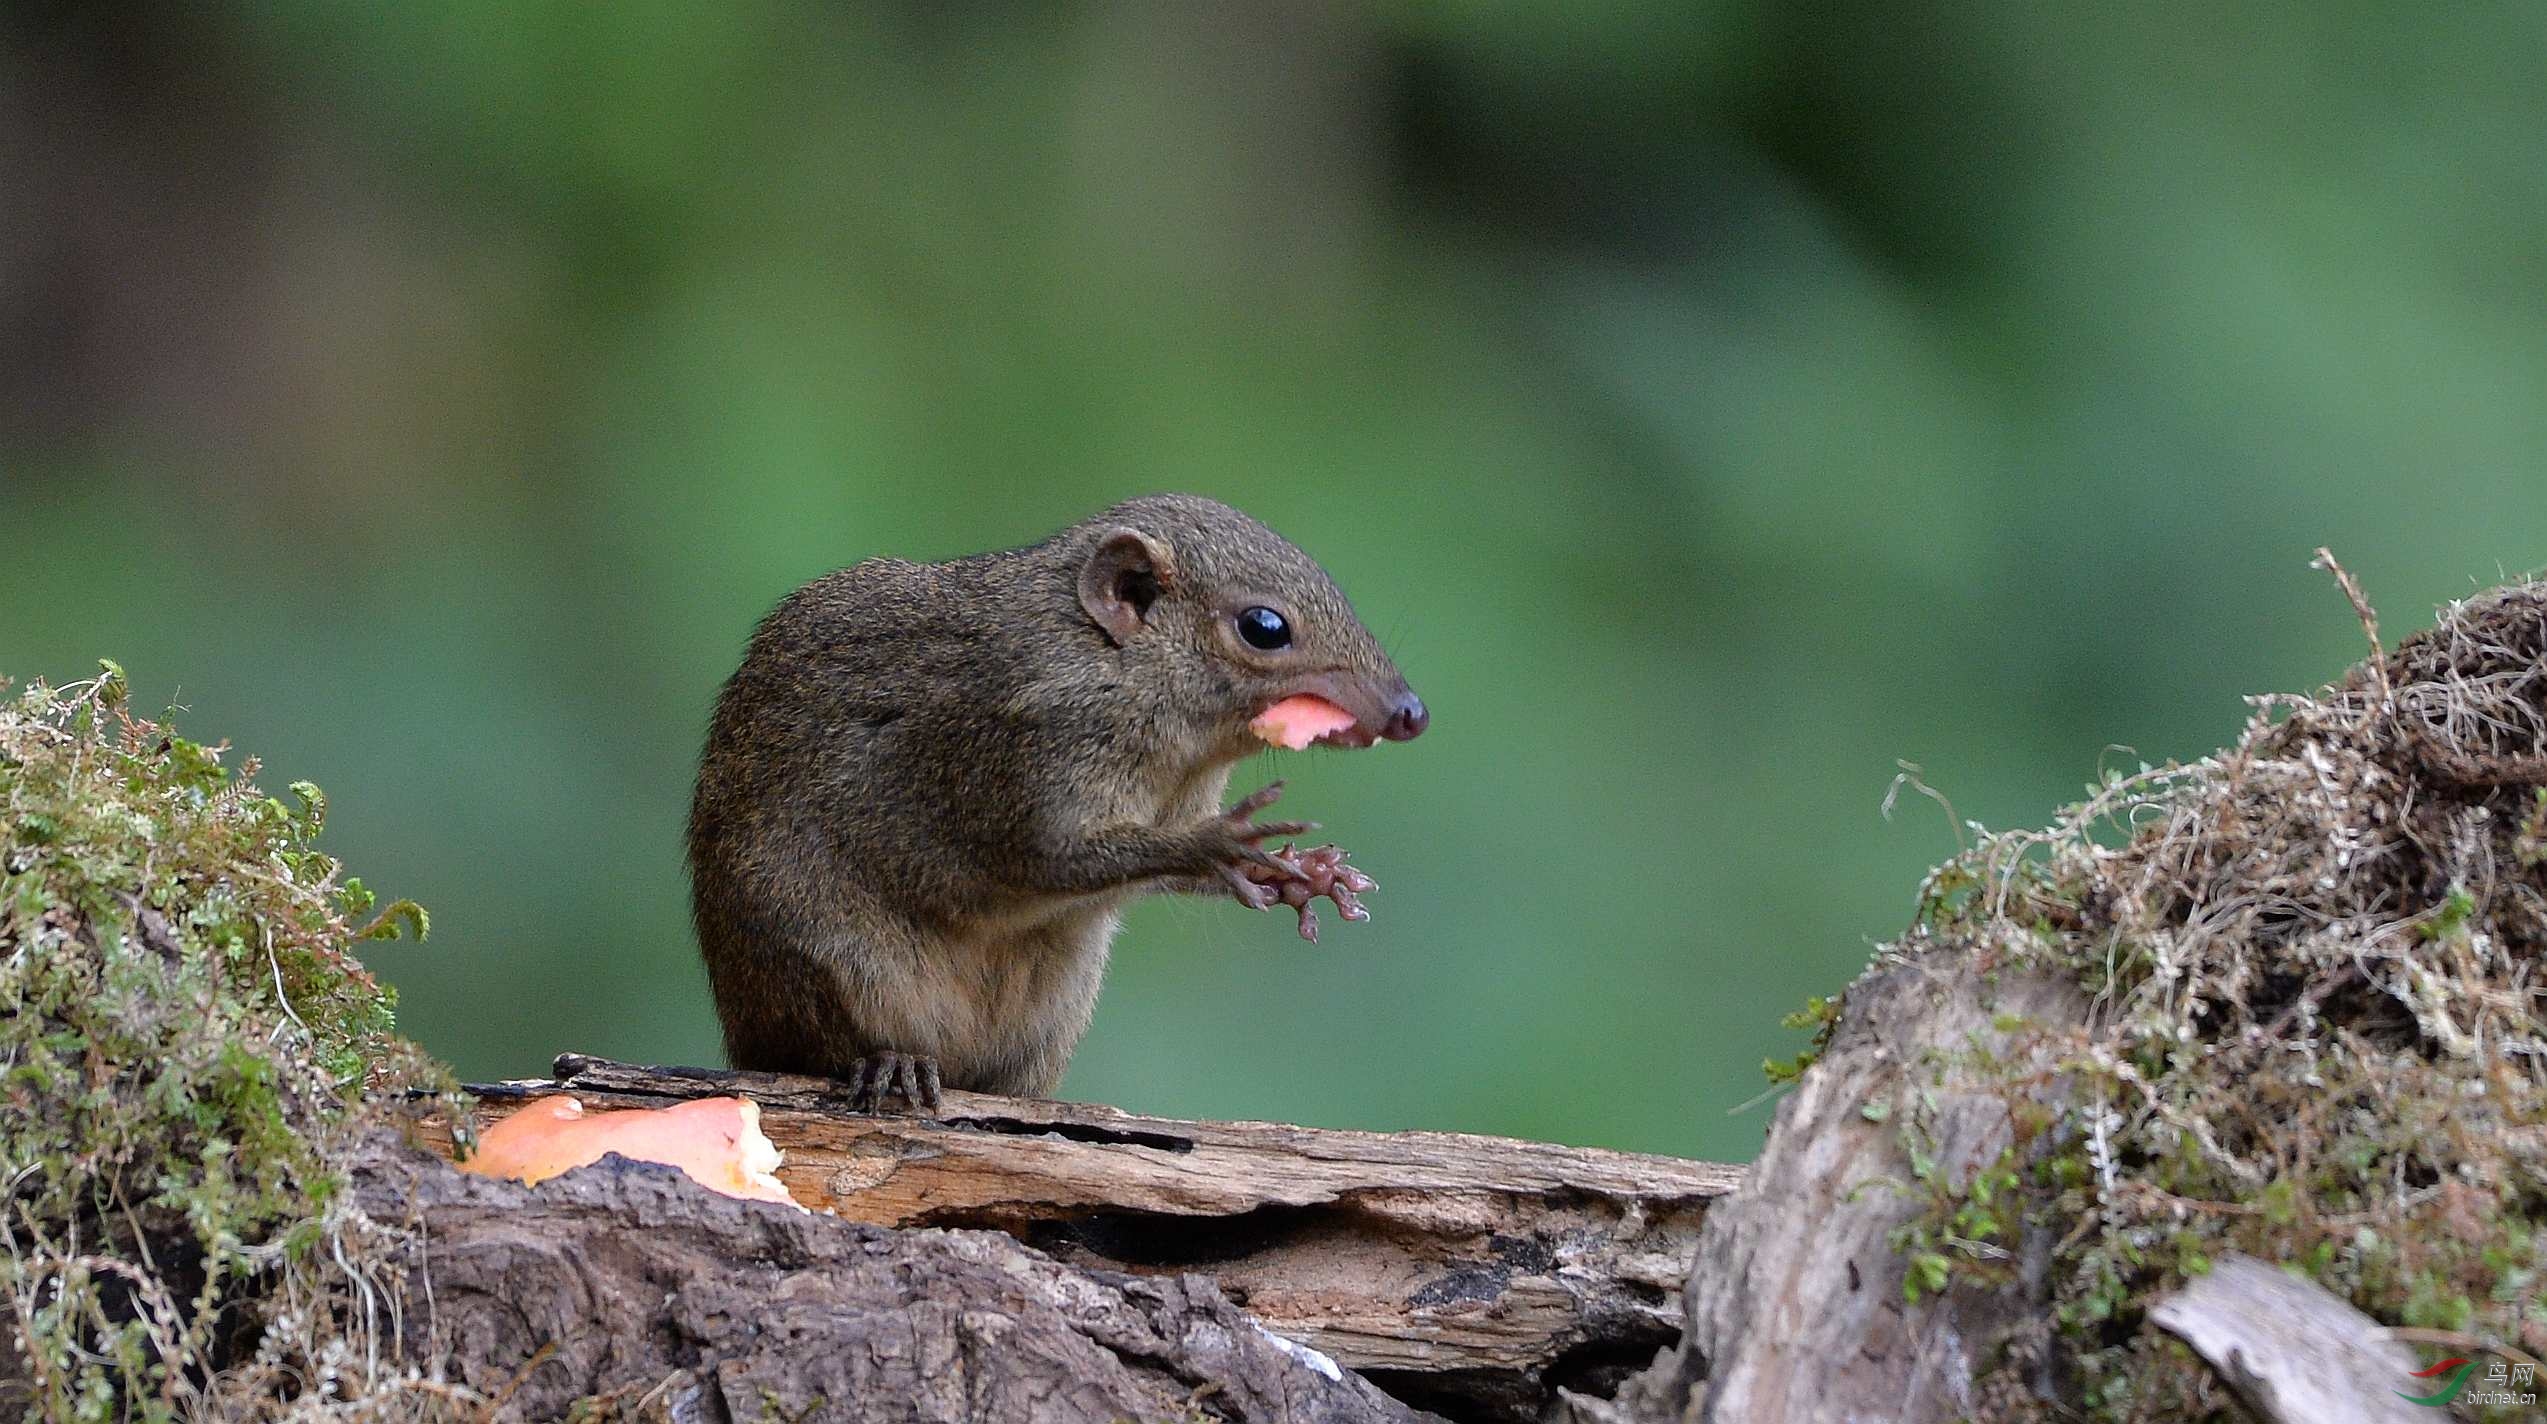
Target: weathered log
x,y
1796,1303
1471,1274
2296,1352
625,1291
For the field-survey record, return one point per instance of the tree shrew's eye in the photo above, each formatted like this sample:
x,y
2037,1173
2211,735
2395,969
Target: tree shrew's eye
x,y
1264,629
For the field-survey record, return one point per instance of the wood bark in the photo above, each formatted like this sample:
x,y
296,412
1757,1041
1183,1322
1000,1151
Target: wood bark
x,y
2296,1352
1472,1275
1795,1300
625,1291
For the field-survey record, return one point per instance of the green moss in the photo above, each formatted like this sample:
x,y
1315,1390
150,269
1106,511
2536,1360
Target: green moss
x,y
187,1039
1965,1229
1819,1015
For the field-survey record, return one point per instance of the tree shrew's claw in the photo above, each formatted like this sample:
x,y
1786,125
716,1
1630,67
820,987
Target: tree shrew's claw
x,y
911,1077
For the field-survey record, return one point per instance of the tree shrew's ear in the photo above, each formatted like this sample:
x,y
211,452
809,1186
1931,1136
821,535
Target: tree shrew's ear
x,y
1121,579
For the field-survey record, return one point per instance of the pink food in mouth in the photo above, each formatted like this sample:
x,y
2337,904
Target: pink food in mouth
x,y
1295,722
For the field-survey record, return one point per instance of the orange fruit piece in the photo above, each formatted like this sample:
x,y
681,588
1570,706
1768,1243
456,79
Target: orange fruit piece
x,y
716,1142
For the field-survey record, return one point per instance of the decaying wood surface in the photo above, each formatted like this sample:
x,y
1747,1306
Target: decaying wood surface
x,y
2294,1350
624,1291
1469,1274
1796,1306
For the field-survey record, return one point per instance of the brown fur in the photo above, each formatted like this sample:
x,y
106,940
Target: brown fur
x,y
930,789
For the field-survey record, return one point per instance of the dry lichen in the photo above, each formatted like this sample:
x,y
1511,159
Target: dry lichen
x,y
186,1040
2316,1033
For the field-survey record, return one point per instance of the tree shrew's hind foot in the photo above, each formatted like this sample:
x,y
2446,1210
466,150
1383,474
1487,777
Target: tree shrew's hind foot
x,y
908,1076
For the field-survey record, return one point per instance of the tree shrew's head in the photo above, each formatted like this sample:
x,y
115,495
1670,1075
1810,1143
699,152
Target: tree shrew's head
x,y
1191,591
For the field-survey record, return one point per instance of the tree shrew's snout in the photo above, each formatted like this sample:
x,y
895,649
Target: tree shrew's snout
x,y
1407,717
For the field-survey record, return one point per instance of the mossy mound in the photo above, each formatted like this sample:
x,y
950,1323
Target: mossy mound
x,y
187,1040
2316,1033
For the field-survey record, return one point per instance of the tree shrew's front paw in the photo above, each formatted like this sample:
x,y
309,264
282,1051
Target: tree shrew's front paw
x,y
1242,863
1261,879
909,1076
1323,875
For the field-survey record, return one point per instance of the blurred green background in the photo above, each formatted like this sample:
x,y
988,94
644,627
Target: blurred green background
x,y
1709,403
